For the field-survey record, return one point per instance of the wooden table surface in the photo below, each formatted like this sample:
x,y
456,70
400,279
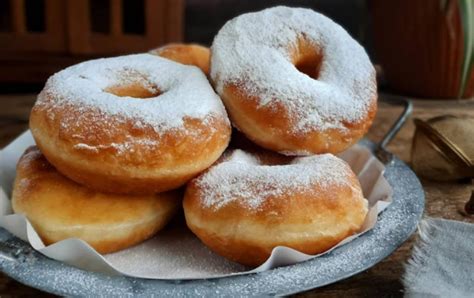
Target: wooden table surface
x,y
442,199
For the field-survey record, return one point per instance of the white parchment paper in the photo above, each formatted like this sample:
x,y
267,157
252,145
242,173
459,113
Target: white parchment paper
x,y
175,253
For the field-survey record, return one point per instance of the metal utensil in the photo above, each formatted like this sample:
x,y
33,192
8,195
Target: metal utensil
x,y
381,151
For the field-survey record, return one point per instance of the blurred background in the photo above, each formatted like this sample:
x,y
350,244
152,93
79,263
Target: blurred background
x,y
421,46
422,49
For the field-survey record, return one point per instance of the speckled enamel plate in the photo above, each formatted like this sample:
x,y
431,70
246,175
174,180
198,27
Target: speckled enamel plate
x,y
395,225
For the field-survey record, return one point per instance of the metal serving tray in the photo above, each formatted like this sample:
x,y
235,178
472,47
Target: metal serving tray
x,y
21,262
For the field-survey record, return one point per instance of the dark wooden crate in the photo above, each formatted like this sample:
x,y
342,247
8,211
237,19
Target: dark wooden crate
x,y
64,32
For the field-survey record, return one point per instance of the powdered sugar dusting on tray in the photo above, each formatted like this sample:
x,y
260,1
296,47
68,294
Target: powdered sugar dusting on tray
x,y
175,253
184,90
244,179
253,51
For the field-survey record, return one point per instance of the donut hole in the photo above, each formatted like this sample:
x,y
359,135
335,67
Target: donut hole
x,y
133,90
307,59
309,66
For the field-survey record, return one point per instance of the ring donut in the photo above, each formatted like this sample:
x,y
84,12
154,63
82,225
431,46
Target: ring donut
x,y
59,208
189,54
294,81
135,124
248,204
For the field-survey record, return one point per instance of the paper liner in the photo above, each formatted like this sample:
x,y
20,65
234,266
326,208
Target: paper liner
x,y
175,253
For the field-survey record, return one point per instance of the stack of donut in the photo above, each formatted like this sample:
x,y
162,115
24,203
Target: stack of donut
x,y
115,139
118,139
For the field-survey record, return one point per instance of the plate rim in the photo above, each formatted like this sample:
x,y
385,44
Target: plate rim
x,y
16,256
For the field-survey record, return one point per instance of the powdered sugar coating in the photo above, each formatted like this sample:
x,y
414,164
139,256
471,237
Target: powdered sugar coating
x,y
253,51
184,91
243,178
174,253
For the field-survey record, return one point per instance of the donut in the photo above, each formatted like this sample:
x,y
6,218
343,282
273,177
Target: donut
x,y
137,124
189,54
59,208
248,204
294,81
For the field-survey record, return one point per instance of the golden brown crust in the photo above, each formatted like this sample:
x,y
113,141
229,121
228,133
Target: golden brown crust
x,y
174,158
189,54
269,126
311,220
253,253
59,208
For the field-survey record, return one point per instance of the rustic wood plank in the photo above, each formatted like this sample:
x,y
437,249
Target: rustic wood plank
x,y
116,23
34,68
174,20
78,24
55,20
107,45
155,22
18,16
52,40
34,43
